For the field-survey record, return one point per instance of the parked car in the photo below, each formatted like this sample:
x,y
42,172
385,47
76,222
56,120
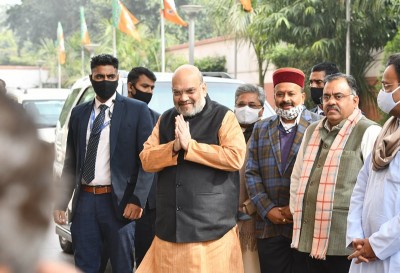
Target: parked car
x,y
44,106
219,89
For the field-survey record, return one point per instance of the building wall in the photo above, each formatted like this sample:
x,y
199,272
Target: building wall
x,y
23,76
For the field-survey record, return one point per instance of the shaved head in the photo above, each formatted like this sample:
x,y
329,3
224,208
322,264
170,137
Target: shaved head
x,y
189,90
188,69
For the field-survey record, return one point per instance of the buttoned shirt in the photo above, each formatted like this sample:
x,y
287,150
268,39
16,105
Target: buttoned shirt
x,y
102,174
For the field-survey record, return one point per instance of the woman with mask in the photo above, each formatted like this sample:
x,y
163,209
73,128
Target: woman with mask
x,y
373,222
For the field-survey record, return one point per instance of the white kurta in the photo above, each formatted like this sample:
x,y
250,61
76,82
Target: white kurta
x,y
375,214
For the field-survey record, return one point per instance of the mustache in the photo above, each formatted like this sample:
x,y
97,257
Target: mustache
x,y
185,102
283,104
332,107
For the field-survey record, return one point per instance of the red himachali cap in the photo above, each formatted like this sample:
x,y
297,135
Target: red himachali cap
x,y
288,74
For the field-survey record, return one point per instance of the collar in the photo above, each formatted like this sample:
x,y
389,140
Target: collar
x,y
319,110
109,102
289,126
336,127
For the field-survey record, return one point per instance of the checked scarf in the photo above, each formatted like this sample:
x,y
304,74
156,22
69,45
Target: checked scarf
x,y
326,189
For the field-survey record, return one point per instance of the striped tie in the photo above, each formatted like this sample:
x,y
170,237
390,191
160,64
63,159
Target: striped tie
x,y
91,152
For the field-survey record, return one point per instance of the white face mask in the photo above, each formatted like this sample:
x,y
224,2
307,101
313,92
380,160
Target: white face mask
x,y
246,115
290,114
386,102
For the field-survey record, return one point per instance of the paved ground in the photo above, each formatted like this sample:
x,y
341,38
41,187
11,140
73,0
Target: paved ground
x,y
51,249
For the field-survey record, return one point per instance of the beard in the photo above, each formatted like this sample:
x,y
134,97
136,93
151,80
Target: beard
x,y
197,107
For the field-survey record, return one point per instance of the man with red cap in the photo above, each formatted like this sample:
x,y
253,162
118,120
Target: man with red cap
x,y
272,152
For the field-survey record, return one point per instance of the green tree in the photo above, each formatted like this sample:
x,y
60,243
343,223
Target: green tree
x,y
211,64
233,20
321,26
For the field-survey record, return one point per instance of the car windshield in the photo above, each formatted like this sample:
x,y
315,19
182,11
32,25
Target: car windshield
x,y
44,112
224,93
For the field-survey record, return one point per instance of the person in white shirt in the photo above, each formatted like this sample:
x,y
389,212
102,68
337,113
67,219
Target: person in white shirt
x,y
373,223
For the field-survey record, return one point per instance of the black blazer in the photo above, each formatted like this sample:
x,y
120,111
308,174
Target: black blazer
x,y
129,128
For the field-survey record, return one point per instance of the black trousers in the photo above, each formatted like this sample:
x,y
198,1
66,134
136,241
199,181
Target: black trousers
x,y
332,264
276,256
144,234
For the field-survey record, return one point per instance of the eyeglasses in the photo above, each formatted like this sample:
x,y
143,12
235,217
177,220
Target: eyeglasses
x,y
251,105
337,97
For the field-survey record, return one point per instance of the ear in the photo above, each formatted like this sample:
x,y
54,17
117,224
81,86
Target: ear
x,y
203,87
356,100
261,112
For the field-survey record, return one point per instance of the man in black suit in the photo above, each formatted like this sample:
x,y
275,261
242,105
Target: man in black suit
x,y
103,168
141,83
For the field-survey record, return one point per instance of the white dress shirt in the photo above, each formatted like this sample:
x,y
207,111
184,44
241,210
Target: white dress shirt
x,y
102,174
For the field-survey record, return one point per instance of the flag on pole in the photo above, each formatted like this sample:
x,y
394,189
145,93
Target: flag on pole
x,y
124,20
85,39
61,46
170,13
246,5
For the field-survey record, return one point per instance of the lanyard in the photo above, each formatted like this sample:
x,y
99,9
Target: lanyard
x,y
92,117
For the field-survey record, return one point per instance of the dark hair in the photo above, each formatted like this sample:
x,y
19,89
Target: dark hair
x,y
103,59
350,81
395,61
250,88
327,67
136,72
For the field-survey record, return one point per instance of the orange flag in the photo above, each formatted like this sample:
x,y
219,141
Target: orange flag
x,y
124,20
246,5
171,14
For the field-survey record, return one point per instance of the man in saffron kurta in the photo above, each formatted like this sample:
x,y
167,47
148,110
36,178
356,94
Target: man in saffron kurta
x,y
272,152
331,154
197,147
373,227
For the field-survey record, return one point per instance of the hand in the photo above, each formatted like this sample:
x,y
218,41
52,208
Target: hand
x,y
285,211
363,251
132,212
60,217
177,145
275,216
182,132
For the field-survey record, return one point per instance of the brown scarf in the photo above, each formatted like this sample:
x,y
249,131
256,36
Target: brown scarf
x,y
386,145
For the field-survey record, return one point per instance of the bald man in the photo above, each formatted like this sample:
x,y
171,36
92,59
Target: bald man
x,y
196,147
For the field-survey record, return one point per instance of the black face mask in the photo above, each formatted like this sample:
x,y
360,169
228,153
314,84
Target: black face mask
x,y
316,94
104,89
142,96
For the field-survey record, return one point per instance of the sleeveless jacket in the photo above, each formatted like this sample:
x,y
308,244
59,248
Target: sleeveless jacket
x,y
351,163
195,202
